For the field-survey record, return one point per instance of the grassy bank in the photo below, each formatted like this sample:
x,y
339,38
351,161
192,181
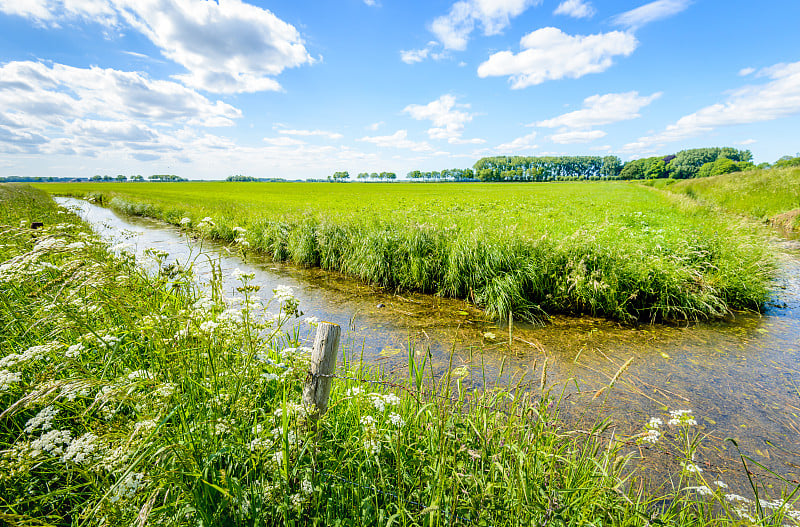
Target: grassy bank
x,y
610,249
771,195
137,399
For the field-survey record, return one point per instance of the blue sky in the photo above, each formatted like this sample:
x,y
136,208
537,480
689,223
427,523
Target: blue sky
x,y
299,89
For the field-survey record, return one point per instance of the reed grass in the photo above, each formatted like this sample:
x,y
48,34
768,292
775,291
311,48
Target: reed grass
x,y
136,398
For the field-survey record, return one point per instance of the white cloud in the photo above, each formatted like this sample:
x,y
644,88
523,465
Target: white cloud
x,y
371,3
454,28
283,141
600,110
636,18
448,120
744,72
577,136
226,47
550,54
747,142
63,109
374,126
778,98
413,56
309,133
575,8
399,139
518,145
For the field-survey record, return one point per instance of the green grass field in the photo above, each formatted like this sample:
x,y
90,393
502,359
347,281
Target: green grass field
x,y
134,398
763,194
613,249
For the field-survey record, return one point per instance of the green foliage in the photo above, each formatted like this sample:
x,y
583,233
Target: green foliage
x,y
340,176
165,177
609,249
518,168
240,178
787,161
687,163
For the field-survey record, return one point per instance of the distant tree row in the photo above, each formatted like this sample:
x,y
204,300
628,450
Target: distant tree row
x,y
563,168
377,175
239,177
696,162
451,174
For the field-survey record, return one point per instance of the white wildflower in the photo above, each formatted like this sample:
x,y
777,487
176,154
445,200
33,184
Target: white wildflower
x,y
691,468
185,221
128,487
721,484
737,497
81,450
373,446
43,420
396,420
352,392
282,293
651,435
368,421
311,321
702,490
53,442
75,351
681,418
209,326
306,487
7,378
655,422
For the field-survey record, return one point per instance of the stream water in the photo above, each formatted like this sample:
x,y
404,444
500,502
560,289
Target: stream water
x,y
741,377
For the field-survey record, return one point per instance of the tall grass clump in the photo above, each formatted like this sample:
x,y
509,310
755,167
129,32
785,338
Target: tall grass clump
x,y
140,398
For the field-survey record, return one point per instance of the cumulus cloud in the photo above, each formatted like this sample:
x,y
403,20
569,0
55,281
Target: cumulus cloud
x,y
399,139
636,18
744,72
412,56
447,118
600,110
226,47
493,16
577,136
550,54
309,133
526,142
64,109
780,97
575,9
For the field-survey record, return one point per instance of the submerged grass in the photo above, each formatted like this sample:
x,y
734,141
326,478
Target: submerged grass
x,y
134,398
610,249
769,195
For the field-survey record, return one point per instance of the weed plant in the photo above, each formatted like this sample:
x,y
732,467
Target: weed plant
x,y
610,249
135,398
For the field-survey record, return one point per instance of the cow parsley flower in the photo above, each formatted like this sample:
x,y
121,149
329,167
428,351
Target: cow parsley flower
x,y
81,450
282,293
53,442
7,378
42,420
396,420
128,487
681,418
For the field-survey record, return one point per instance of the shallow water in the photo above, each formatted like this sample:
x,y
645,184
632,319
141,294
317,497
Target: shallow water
x,y
741,377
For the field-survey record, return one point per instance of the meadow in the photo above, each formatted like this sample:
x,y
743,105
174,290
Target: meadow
x,y
136,398
769,195
612,249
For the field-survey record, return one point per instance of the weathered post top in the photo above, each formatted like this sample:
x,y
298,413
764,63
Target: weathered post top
x,y
317,389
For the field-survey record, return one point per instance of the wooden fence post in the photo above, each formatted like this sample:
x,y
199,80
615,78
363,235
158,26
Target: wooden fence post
x,y
323,363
